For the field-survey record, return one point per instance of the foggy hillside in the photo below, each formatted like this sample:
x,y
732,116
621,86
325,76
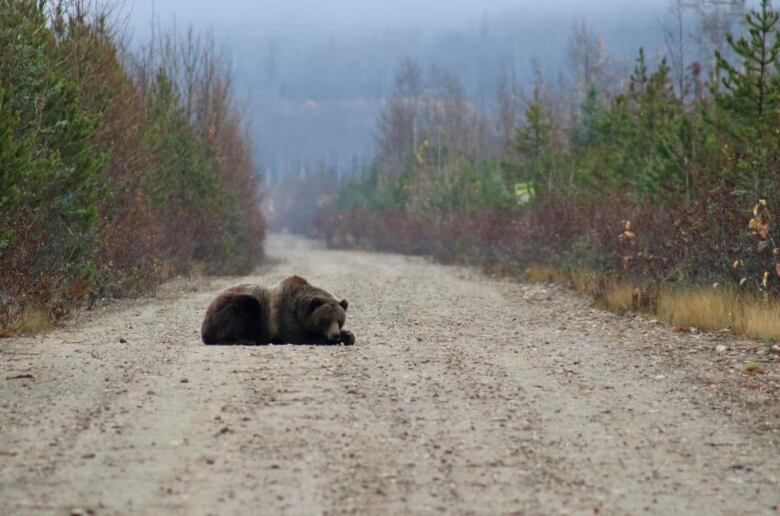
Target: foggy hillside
x,y
314,76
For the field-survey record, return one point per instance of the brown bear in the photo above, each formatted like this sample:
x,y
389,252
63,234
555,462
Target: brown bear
x,y
292,312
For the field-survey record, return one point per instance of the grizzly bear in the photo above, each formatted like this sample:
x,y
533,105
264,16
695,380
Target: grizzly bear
x,y
292,312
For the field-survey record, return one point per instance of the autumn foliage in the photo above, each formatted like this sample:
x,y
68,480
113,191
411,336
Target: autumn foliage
x,y
663,183
115,172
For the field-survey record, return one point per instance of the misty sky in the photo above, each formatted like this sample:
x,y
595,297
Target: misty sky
x,y
362,15
312,73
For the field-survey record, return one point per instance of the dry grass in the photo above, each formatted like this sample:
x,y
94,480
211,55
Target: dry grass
x,y
759,319
716,309
544,274
585,282
33,320
618,297
707,309
610,294
198,268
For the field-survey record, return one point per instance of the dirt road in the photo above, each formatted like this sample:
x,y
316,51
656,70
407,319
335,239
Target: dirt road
x,y
463,395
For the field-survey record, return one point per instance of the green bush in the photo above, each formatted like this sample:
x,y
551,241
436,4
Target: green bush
x,y
107,185
49,171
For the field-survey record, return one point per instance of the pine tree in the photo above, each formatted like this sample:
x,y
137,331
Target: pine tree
x,y
182,176
638,81
591,112
664,132
751,92
534,145
747,102
49,170
641,143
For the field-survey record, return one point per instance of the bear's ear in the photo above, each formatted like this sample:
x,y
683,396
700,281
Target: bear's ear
x,y
344,304
315,303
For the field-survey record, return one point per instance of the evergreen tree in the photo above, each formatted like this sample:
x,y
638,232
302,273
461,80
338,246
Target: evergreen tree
x,y
181,175
535,147
640,145
49,171
663,137
751,92
638,81
747,102
591,112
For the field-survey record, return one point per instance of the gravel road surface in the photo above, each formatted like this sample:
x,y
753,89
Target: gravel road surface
x,y
464,394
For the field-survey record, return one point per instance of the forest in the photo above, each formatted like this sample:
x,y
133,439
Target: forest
x,y
118,169
654,191
649,183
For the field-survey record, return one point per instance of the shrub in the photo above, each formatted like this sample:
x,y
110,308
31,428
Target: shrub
x,y
108,182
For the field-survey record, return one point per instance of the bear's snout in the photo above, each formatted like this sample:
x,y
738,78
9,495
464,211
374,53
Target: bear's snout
x,y
334,332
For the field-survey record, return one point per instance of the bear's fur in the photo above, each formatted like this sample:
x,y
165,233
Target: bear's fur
x,y
292,312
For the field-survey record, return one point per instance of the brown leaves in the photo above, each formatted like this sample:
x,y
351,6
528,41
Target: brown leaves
x,y
80,287
761,220
627,240
627,235
759,207
626,261
760,227
753,368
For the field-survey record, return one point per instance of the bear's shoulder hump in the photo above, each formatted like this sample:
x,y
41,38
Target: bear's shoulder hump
x,y
295,280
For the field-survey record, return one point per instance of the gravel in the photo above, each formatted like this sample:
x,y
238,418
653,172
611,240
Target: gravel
x,y
463,395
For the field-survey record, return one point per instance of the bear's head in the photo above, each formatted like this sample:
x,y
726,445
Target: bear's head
x,y
324,316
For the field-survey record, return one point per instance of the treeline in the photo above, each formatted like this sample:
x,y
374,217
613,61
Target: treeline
x,y
665,178
117,171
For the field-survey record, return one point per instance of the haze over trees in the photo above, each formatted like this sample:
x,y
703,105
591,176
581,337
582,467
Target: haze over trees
x,y
316,73
494,56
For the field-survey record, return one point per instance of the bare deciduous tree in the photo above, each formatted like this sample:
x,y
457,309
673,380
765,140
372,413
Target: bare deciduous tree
x,y
716,19
588,58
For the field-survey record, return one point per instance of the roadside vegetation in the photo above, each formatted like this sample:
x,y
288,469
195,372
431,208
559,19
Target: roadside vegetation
x,y
117,170
653,190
